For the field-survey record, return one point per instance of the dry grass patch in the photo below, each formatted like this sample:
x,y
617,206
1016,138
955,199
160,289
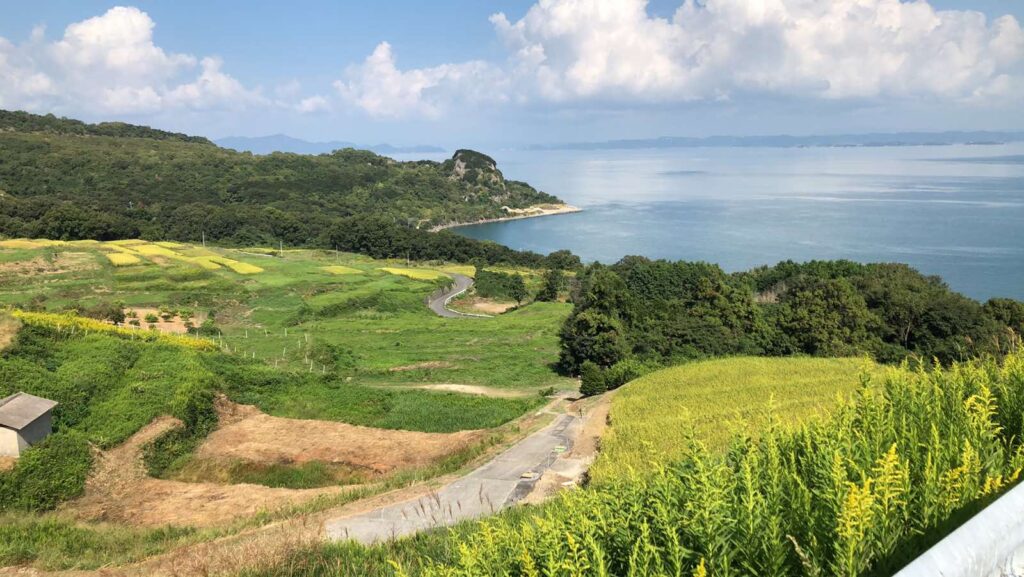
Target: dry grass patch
x,y
338,269
415,273
235,265
25,243
9,327
122,259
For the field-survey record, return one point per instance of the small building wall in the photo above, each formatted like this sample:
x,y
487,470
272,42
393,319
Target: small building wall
x,y
37,430
13,443
10,443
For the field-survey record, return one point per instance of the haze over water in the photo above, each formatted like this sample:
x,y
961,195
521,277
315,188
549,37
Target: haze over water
x,y
954,211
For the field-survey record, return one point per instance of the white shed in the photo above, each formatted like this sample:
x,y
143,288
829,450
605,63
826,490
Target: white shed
x,y
24,421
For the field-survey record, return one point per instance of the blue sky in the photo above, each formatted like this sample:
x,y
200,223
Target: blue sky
x,y
454,73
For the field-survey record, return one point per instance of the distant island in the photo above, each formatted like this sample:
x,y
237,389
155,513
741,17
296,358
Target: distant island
x,y
284,143
873,139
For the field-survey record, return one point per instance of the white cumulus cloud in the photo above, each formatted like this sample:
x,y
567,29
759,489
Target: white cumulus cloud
x,y
614,51
111,64
378,87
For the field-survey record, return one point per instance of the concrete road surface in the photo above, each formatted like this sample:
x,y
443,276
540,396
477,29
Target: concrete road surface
x,y
438,302
492,487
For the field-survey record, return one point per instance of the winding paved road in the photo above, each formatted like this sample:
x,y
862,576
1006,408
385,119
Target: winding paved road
x,y
438,302
496,485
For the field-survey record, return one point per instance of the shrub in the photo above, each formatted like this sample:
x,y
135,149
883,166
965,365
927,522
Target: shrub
x,y
47,474
625,371
592,381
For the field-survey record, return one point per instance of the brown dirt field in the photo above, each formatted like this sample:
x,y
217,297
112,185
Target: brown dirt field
x,y
175,325
247,434
62,262
481,305
473,390
119,490
7,463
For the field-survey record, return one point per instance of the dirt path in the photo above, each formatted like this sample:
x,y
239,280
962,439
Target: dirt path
x,y
438,302
570,469
498,484
120,490
475,390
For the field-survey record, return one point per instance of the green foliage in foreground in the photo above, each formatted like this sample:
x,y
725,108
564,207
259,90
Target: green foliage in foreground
x,y
860,493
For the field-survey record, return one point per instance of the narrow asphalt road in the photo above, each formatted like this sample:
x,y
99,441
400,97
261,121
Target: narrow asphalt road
x,y
494,486
438,302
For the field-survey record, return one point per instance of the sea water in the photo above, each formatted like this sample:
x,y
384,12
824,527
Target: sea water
x,y
953,211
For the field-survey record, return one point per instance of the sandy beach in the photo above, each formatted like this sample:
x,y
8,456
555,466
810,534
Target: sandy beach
x,y
516,214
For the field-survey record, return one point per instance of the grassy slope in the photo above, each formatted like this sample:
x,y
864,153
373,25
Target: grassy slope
x,y
387,332
658,415
384,322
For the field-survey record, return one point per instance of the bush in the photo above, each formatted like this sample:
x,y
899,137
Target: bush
x,y
625,371
592,381
500,285
47,474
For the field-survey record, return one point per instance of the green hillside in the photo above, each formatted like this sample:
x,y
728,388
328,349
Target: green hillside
x,y
65,179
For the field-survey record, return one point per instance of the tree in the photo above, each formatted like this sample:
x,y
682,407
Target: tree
x,y
553,282
592,336
517,289
826,317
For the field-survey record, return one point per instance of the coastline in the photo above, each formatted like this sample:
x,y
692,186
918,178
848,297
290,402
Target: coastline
x,y
530,212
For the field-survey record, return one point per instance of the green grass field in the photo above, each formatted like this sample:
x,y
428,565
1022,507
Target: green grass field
x,y
298,300
656,417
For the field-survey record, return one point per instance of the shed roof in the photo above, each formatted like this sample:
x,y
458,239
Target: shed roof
x,y
21,409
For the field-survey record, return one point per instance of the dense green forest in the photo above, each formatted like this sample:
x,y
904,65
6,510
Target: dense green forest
x,y
663,312
64,179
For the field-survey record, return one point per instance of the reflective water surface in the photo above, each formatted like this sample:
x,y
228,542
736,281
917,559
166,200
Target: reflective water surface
x,y
955,211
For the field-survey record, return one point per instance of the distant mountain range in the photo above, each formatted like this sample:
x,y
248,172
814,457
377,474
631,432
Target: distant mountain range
x,y
789,141
285,143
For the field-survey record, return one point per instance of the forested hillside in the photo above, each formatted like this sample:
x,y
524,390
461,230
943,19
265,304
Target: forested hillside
x,y
63,179
640,311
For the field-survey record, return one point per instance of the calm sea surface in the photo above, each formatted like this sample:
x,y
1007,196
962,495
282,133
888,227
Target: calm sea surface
x,y
954,211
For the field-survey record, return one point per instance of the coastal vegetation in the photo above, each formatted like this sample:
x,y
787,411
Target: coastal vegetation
x,y
670,312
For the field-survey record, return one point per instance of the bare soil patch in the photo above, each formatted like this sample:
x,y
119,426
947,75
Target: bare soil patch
x,y
61,262
247,434
175,325
482,305
473,390
119,490
7,463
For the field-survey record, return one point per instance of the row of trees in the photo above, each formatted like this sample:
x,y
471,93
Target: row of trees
x,y
666,311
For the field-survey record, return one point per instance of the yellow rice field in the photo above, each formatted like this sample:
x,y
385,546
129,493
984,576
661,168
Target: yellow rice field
x,y
415,273
122,259
338,269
